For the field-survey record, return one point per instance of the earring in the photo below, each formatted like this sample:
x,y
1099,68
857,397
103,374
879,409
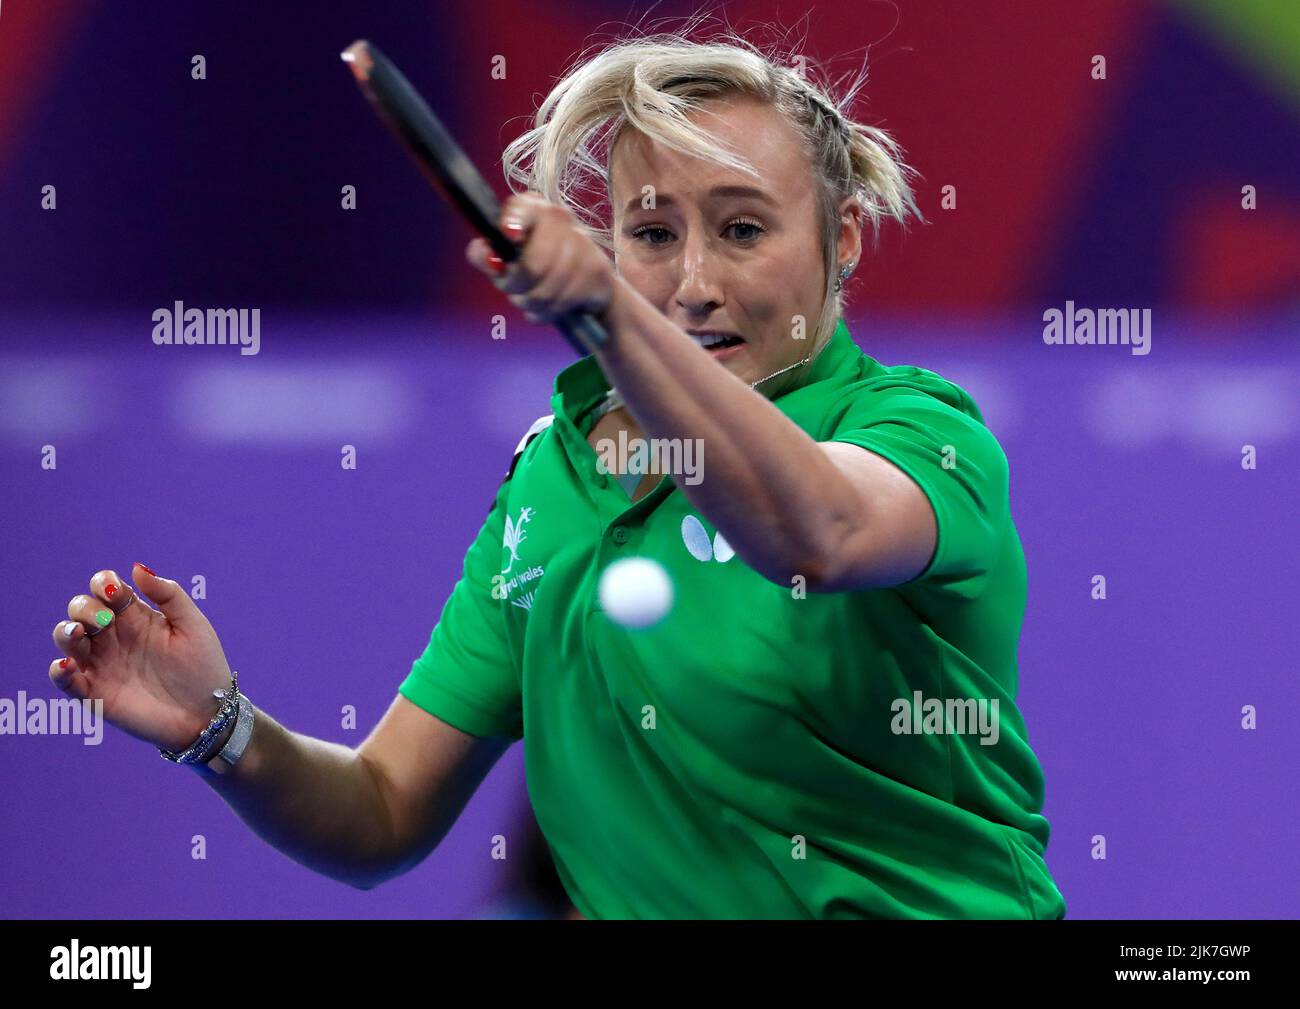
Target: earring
x,y
844,275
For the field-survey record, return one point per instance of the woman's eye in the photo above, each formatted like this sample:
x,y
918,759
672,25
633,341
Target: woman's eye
x,y
755,229
750,231
647,229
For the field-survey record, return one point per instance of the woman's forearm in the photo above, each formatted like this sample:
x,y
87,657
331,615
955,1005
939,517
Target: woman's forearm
x,y
316,801
766,485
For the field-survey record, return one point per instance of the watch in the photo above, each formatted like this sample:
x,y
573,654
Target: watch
x,y
229,755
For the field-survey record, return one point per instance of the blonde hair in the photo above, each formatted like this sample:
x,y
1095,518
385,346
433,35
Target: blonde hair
x,y
652,82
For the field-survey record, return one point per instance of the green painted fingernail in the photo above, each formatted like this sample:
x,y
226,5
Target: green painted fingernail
x,y
104,618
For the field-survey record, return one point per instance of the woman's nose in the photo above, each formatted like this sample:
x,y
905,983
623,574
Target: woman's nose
x,y
700,287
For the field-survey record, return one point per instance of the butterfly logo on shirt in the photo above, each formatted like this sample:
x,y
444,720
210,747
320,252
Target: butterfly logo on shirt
x,y
696,539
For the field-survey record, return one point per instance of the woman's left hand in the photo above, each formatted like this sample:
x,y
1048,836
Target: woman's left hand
x,y
559,269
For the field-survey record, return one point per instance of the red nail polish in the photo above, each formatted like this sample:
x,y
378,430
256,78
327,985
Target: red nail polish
x,y
512,231
110,590
63,663
147,568
496,264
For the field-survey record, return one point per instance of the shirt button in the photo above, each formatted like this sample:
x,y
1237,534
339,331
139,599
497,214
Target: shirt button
x,y
620,535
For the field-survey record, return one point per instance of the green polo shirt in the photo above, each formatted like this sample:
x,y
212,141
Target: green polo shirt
x,y
762,752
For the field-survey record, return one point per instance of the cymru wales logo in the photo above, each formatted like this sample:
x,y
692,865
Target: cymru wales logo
x,y
515,535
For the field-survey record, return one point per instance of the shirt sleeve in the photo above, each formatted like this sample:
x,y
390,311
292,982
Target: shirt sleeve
x,y
466,675
955,460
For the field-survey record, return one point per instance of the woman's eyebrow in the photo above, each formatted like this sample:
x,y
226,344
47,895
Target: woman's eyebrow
x,y
716,193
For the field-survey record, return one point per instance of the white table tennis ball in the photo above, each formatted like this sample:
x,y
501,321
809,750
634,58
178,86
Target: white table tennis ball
x,y
636,592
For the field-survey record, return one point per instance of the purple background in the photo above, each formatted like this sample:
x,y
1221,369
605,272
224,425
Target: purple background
x,y
324,584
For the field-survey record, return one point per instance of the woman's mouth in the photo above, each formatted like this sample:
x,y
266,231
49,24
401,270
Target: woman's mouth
x,y
718,343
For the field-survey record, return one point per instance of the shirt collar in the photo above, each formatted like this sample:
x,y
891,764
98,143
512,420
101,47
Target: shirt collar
x,y
840,353
583,384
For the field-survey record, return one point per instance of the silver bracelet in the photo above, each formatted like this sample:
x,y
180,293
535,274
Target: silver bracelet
x,y
201,749
239,737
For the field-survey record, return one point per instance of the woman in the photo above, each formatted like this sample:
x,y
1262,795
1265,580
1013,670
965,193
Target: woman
x,y
824,725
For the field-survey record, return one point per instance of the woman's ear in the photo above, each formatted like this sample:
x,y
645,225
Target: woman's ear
x,y
849,243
